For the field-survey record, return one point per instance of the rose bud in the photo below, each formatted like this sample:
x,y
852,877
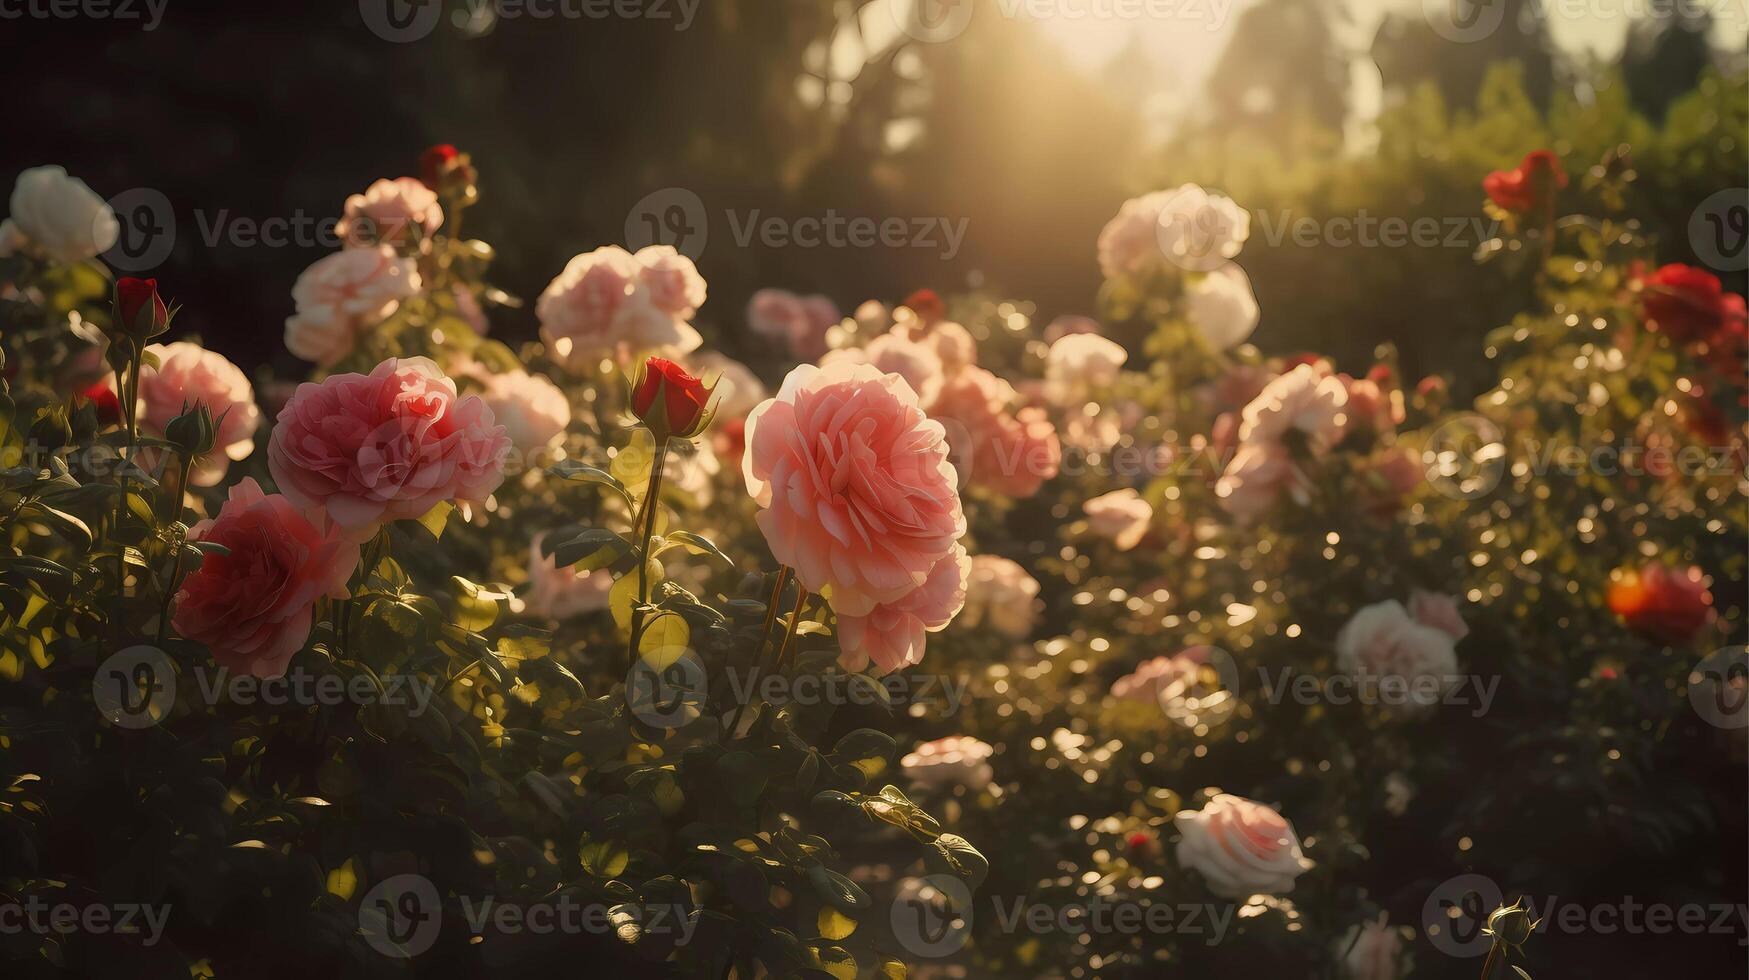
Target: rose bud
x,y
192,432
103,401
444,168
139,310
1511,924
669,401
927,305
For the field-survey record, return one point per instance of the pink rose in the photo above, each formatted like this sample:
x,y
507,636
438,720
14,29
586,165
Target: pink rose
x,y
1382,641
253,606
1371,951
1001,594
1121,515
958,760
391,212
1305,401
675,285
604,306
1155,678
1010,454
532,410
893,353
562,593
892,635
1240,847
343,293
186,374
800,323
1438,610
853,483
388,446
953,345
1256,477
1372,405
1079,364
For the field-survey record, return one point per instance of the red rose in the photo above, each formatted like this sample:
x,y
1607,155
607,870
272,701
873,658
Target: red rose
x,y
443,165
1662,604
683,398
102,397
139,309
1689,306
1530,187
927,305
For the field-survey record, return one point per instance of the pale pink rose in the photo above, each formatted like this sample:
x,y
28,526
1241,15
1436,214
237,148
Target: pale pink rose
x,y
532,410
1152,679
342,293
953,345
1371,951
1000,594
562,593
391,212
1303,400
1222,307
1070,323
1121,515
186,374
894,353
1438,610
1079,364
675,285
1382,641
388,446
1187,227
892,635
1256,477
601,307
1240,847
252,607
873,317
800,323
853,483
958,760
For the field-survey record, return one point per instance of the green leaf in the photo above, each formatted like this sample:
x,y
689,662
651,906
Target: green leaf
x,y
603,858
580,472
697,544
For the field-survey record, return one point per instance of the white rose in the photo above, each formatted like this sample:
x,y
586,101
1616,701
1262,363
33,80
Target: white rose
x,y
958,760
1000,592
1371,951
1187,226
532,410
1222,307
61,215
1241,847
1383,641
1121,515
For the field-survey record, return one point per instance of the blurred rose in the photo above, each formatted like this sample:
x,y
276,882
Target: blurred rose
x,y
1666,605
603,307
872,317
799,323
1240,847
674,283
1121,516
1688,305
562,593
1530,187
1187,226
1255,479
1371,405
1222,307
1305,401
1383,641
388,446
252,605
892,635
1067,324
953,344
1011,454
388,212
188,374
1371,951
532,410
894,353
1079,364
927,304
60,215
958,760
1438,610
853,483
1000,594
342,293
1156,677
738,390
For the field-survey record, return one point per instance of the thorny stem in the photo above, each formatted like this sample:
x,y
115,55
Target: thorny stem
x,y
176,557
783,572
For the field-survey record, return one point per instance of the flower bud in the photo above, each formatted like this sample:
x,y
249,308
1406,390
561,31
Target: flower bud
x,y
192,432
1511,924
139,310
447,171
669,401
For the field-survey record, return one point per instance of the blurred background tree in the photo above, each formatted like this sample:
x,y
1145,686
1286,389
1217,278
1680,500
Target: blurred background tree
x,y
1029,131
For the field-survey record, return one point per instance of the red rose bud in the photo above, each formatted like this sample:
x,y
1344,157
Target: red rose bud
x,y
927,305
670,401
139,311
1142,844
443,166
102,398
1689,306
1668,606
1530,187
